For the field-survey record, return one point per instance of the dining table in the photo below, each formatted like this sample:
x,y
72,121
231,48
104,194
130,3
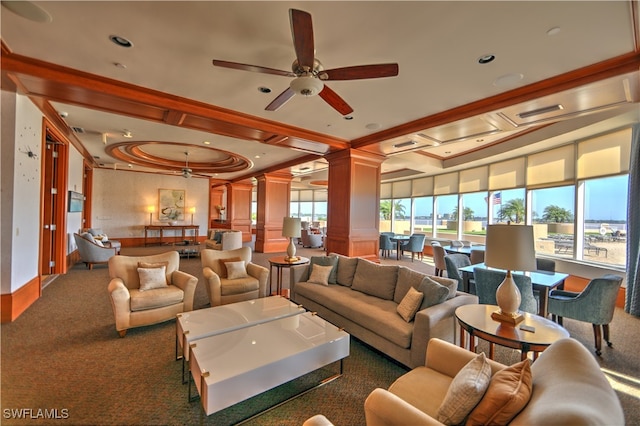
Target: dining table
x,y
542,281
399,239
463,249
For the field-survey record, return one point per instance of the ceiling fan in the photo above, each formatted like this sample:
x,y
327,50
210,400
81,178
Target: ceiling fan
x,y
308,71
186,171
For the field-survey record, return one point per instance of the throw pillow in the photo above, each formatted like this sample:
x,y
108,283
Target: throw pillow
x,y
465,391
223,266
451,284
325,261
410,304
151,278
217,237
434,293
236,270
99,243
320,274
346,270
508,393
375,280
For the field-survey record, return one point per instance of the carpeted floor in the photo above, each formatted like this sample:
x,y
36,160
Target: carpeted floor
x,y
63,355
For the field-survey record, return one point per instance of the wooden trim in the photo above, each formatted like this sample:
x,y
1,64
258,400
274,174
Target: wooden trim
x,y
14,304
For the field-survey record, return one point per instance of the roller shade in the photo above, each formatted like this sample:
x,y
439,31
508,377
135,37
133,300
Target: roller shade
x,y
507,174
446,184
474,180
604,155
422,187
401,189
553,166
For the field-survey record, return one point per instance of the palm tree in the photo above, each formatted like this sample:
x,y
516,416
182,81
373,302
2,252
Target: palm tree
x,y
557,214
512,210
467,213
385,209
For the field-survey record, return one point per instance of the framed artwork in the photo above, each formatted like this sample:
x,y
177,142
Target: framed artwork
x,y
76,200
171,204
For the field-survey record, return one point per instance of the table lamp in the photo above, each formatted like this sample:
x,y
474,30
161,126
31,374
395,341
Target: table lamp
x,y
509,247
192,210
291,228
151,209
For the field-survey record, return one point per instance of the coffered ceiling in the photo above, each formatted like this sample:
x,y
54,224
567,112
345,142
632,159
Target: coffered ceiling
x,y
561,71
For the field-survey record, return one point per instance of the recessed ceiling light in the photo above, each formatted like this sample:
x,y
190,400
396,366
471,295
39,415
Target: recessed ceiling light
x,y
553,31
508,79
485,59
257,156
263,89
206,143
348,117
373,126
120,41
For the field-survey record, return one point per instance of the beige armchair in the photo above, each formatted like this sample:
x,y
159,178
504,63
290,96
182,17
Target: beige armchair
x,y
229,240
310,240
91,252
136,305
222,289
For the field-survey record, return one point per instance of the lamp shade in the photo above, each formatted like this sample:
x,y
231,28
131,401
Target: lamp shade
x,y
291,227
510,247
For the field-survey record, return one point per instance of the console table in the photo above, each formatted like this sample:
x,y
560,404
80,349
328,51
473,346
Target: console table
x,y
179,234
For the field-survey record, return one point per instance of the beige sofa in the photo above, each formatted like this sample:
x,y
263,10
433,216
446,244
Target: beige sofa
x,y
568,388
229,240
364,301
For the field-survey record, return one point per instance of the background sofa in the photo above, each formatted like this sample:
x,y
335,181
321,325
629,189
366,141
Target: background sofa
x,y
363,297
220,239
568,388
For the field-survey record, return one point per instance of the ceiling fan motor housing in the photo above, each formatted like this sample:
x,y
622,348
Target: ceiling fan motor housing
x,y
307,85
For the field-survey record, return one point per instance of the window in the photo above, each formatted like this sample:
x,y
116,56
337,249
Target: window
x,y
508,206
474,216
446,222
423,215
553,219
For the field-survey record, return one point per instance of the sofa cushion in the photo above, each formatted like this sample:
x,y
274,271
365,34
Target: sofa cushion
x,y
320,274
373,313
346,270
451,284
465,391
508,393
434,293
152,278
409,305
375,280
157,298
325,261
239,286
406,278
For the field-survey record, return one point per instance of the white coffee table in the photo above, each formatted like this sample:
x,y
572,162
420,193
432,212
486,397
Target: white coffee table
x,y
194,325
231,367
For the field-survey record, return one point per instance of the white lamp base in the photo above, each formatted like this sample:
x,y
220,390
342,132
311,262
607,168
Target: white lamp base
x,y
508,298
291,252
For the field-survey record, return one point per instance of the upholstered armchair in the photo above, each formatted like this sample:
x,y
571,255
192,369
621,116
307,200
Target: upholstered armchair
x,y
487,282
91,252
454,262
231,277
309,239
142,295
595,304
415,245
386,245
223,240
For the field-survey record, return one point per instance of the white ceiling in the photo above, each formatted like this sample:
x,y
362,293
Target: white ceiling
x,y
436,44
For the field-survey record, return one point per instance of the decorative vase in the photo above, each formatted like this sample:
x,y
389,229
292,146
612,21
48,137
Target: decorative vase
x,y
173,222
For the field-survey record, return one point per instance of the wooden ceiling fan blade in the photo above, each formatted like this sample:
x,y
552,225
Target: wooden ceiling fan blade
x,y
302,33
252,68
360,72
336,102
281,99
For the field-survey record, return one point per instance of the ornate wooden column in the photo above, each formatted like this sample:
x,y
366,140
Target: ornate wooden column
x,y
354,203
274,196
239,207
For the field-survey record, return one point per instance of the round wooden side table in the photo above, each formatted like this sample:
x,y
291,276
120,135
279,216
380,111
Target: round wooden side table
x,y
279,262
533,334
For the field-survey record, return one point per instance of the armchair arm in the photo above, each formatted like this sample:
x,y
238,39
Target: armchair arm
x,y
120,298
213,286
382,408
261,274
188,284
564,293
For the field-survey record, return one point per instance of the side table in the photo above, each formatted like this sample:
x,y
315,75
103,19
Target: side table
x,y
476,320
279,262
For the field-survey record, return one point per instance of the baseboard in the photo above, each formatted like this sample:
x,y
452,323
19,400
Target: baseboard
x,y
14,304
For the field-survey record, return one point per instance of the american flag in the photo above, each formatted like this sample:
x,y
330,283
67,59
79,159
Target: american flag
x,y
497,198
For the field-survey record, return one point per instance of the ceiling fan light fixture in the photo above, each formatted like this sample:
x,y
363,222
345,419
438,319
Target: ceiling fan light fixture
x,y
307,85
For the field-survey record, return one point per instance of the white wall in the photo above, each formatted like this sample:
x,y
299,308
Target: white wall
x,y
74,220
21,133
121,197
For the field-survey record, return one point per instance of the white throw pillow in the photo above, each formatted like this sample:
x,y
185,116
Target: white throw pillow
x,y
465,391
236,270
320,274
410,303
151,278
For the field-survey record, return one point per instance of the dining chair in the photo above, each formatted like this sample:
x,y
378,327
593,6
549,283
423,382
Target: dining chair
x,y
488,280
476,256
595,304
453,263
386,245
545,265
438,258
415,245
